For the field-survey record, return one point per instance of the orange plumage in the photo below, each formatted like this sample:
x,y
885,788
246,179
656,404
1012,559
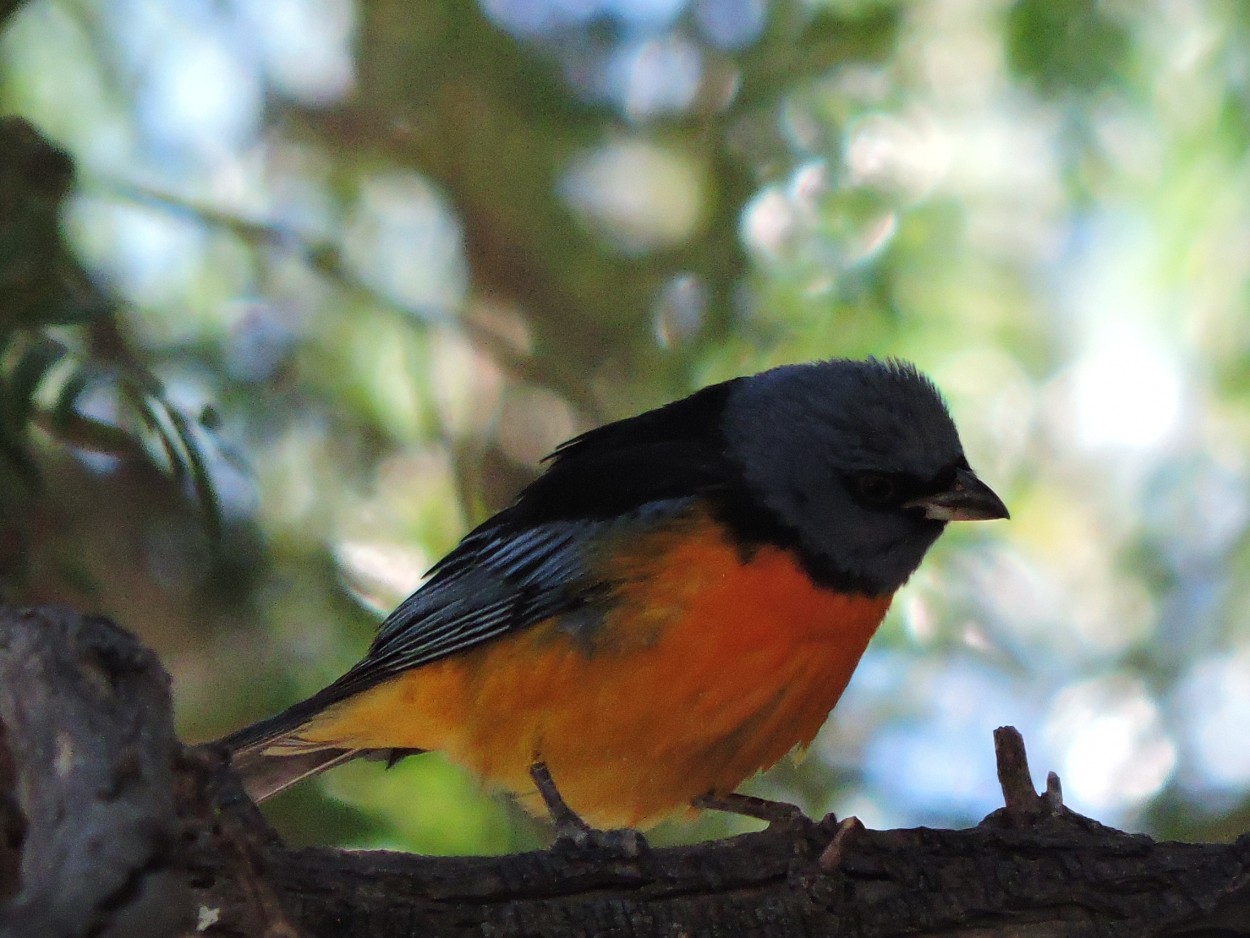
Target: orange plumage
x,y
711,667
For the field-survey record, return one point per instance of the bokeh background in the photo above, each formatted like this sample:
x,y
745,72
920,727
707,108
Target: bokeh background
x,y
316,283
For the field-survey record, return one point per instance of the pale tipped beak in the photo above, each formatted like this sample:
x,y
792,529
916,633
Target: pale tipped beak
x,y
968,499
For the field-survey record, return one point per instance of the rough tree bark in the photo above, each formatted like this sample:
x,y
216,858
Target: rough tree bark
x,y
110,827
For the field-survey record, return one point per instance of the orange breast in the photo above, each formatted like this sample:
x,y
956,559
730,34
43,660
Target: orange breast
x,y
709,668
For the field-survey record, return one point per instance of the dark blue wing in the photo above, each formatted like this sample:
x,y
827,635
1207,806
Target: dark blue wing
x,y
493,582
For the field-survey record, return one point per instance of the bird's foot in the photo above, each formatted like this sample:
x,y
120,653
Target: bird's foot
x,y
618,842
572,830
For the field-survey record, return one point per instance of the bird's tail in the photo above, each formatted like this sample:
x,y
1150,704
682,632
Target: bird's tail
x,y
265,774
272,755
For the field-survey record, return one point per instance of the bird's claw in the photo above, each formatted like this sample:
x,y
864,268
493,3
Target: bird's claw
x,y
621,841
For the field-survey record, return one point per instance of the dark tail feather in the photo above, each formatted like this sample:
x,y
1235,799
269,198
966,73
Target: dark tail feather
x,y
264,774
270,756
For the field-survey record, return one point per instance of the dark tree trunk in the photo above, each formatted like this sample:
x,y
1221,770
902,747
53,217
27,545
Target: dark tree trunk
x,y
109,827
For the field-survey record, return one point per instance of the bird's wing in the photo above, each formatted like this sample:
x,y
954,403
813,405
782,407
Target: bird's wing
x,y
497,580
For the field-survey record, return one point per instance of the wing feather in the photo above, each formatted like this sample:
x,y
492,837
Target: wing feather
x,y
494,582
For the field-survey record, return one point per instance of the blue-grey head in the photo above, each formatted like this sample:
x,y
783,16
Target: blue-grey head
x,y
859,461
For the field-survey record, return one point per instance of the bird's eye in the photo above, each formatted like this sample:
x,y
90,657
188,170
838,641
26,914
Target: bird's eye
x,y
875,488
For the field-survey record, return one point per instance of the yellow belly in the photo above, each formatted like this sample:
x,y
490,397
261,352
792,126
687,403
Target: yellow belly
x,y
707,669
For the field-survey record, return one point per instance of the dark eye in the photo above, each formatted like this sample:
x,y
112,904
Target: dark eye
x,y
875,488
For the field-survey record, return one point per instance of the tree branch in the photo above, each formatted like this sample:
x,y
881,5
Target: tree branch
x,y
112,828
86,721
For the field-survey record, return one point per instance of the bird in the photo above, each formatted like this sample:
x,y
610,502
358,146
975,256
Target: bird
x,y
675,603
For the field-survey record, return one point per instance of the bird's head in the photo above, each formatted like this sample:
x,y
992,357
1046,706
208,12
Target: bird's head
x,y
859,461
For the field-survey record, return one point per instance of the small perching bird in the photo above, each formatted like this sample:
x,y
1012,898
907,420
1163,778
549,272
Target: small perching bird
x,y
674,604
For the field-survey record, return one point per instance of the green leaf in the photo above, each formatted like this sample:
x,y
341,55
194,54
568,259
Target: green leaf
x,y
145,407
177,437
26,376
64,410
1067,45
201,479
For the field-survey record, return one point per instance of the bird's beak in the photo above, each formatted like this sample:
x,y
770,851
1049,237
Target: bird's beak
x,y
967,499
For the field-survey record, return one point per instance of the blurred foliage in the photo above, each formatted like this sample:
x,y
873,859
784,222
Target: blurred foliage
x,y
43,381
332,276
